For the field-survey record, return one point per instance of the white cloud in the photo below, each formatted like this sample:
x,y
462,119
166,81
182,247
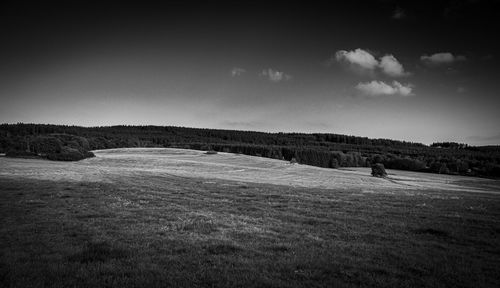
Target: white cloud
x,y
275,76
391,66
442,58
378,88
236,71
358,57
362,59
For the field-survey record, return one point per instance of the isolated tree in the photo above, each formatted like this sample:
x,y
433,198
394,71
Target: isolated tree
x,y
378,170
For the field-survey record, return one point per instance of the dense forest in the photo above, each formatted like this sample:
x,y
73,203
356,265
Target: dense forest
x,y
60,142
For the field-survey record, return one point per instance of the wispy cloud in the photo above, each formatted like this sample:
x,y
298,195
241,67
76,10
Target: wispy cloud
x,y
364,60
398,13
275,76
236,71
441,58
380,88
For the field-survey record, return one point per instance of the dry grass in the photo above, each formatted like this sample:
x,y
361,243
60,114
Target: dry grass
x,y
112,165
150,229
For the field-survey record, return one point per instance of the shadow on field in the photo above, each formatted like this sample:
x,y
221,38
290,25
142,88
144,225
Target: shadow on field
x,y
98,252
160,231
432,232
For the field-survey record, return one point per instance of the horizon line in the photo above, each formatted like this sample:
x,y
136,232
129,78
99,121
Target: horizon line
x,y
225,129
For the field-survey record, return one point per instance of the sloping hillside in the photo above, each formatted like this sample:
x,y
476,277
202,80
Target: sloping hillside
x,y
113,163
182,218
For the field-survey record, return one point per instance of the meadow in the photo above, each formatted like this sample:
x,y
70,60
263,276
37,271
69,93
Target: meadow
x,y
182,218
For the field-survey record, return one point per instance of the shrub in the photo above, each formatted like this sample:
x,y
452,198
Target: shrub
x,y
88,154
46,144
67,154
72,141
378,170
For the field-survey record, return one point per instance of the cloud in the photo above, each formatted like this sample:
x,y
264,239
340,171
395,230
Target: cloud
x,y
362,59
357,57
237,71
380,88
391,66
461,90
442,58
275,76
399,14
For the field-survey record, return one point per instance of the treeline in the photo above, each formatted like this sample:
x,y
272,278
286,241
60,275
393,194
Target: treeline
x,y
59,147
452,145
318,149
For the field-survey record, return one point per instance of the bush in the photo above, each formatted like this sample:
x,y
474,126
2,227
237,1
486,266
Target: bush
x,y
72,141
46,144
378,170
67,154
88,154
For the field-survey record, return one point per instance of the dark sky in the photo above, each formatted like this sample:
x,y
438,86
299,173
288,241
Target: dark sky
x,y
421,71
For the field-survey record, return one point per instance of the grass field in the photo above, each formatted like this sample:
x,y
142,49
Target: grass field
x,y
179,218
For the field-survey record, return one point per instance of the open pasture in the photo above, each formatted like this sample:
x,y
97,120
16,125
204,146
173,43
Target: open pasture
x,y
181,218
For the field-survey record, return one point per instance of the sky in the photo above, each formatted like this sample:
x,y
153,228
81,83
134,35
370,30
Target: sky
x,y
420,71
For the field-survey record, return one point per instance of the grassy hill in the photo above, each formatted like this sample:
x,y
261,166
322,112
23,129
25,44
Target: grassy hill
x,y
322,150
172,218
